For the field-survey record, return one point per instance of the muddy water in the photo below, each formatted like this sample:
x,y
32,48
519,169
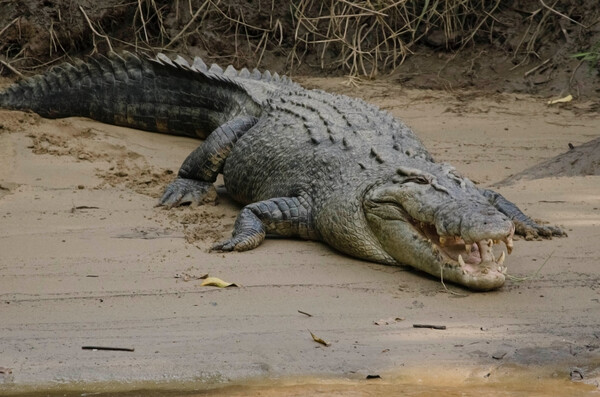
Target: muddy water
x,y
525,383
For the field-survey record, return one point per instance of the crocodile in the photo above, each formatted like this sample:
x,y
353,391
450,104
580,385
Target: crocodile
x,y
303,163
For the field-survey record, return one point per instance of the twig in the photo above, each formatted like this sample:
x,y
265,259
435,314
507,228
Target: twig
x,y
118,349
105,37
446,288
527,73
11,68
575,71
429,326
563,15
141,12
520,279
178,35
305,313
369,10
9,25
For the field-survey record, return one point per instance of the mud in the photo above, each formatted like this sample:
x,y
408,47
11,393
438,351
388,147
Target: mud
x,y
512,381
576,161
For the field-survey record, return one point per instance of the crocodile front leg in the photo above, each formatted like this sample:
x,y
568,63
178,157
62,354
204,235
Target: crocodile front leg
x,y
283,216
524,225
194,183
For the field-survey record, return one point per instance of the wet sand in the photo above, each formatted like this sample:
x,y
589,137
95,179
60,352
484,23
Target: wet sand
x,y
88,260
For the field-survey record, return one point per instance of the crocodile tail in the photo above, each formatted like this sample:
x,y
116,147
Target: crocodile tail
x,y
151,94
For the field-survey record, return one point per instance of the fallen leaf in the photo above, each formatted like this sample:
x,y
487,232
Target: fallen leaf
x,y
217,282
319,340
568,98
4,370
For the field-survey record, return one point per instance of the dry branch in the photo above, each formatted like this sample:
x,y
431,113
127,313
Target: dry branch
x,y
9,25
364,37
185,28
11,68
105,37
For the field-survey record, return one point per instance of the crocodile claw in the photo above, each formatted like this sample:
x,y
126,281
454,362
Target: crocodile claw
x,y
239,243
187,191
537,231
225,246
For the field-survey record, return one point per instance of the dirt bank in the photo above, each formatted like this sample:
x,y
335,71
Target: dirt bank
x,y
499,46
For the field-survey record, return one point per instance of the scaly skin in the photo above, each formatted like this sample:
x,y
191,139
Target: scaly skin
x,y
305,162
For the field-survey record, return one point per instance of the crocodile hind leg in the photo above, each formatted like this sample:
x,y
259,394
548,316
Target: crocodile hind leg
x,y
283,216
194,183
524,225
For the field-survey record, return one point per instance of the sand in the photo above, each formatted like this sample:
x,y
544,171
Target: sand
x,y
87,259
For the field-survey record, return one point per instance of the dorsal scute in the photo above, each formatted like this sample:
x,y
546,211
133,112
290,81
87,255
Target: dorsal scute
x,y
217,72
182,62
199,65
244,73
256,74
215,69
230,71
162,58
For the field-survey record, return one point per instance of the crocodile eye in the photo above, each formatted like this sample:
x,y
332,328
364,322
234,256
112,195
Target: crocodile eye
x,y
421,180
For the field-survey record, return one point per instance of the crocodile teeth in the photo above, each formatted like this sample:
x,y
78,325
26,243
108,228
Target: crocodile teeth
x,y
500,260
509,244
461,261
468,248
443,241
490,243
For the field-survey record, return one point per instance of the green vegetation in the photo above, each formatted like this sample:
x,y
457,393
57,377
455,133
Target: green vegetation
x,y
592,56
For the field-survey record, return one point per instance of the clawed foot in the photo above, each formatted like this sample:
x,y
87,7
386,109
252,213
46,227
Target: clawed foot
x,y
227,245
188,191
248,233
537,231
240,243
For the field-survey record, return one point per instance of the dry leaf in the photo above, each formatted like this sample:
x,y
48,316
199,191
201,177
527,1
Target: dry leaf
x,y
217,282
319,340
568,98
4,370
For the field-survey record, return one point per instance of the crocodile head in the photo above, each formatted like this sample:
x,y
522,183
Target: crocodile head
x,y
440,223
